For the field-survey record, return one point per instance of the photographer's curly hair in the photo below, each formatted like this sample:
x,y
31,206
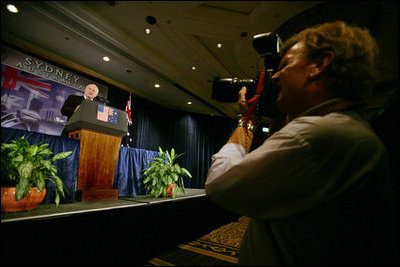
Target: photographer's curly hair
x,y
352,72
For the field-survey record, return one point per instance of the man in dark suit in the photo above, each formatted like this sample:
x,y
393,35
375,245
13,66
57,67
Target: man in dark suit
x,y
74,101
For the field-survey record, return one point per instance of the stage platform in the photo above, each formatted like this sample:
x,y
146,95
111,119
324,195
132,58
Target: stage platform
x,y
123,231
49,211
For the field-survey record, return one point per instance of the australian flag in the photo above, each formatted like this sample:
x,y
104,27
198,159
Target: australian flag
x,y
128,111
107,114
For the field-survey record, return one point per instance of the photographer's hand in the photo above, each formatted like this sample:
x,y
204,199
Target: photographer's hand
x,y
242,101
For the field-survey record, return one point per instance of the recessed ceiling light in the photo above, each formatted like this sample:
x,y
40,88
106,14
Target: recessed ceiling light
x,y
219,45
189,103
157,85
12,8
105,58
147,31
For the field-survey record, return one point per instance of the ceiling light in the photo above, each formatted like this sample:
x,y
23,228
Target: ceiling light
x,y
106,58
189,103
193,68
12,8
157,85
147,31
219,45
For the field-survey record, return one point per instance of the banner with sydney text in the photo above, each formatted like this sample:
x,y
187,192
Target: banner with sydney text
x,y
32,103
33,92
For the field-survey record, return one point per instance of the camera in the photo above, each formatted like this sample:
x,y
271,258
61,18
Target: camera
x,y
227,89
267,46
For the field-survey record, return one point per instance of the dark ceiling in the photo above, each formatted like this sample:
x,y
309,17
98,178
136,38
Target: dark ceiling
x,y
76,34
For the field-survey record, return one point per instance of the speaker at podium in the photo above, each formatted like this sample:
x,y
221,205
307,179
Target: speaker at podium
x,y
100,129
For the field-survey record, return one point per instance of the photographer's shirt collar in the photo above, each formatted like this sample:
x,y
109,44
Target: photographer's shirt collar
x,y
333,105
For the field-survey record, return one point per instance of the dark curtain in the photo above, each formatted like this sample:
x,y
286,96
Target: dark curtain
x,y
67,168
117,97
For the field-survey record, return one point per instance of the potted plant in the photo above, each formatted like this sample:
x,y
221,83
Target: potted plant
x,y
25,169
164,177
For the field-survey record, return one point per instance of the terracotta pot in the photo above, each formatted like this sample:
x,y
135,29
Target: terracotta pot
x,y
169,190
29,202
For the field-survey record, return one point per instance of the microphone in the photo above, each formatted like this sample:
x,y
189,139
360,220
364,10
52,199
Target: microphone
x,y
102,100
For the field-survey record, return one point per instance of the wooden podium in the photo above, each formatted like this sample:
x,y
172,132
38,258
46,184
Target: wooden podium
x,y
100,142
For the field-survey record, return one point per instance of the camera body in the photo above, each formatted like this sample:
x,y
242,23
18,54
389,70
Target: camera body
x,y
226,89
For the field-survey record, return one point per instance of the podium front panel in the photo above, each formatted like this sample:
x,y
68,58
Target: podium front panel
x,y
86,117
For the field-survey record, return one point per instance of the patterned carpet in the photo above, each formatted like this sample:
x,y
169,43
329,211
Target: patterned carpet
x,y
220,247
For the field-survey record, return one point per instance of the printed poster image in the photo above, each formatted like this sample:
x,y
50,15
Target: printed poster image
x,y
32,103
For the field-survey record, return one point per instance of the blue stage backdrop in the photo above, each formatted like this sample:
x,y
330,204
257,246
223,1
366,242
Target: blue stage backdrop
x,y
128,172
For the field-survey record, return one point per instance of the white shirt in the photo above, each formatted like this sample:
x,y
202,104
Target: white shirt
x,y
295,185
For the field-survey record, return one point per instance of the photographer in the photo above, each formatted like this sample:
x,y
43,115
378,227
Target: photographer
x,y
318,190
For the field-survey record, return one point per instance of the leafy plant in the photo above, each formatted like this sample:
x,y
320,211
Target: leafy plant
x,y
162,171
25,166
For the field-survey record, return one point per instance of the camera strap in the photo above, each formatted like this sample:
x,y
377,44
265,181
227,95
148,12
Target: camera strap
x,y
253,101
